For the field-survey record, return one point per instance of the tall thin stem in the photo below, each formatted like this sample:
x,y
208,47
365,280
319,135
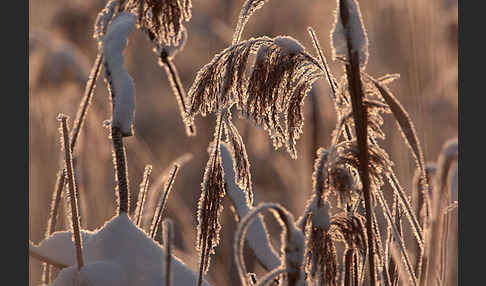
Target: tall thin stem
x,y
168,239
159,215
360,115
178,90
72,191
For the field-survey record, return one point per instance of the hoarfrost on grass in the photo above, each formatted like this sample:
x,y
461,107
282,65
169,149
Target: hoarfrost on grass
x,y
356,29
121,82
119,253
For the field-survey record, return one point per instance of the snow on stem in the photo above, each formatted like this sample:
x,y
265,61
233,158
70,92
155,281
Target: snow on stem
x,y
121,86
257,235
292,243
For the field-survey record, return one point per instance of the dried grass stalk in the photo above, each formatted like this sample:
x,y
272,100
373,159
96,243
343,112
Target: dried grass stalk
x,y
249,7
72,189
161,206
406,127
360,115
142,194
410,273
178,91
168,237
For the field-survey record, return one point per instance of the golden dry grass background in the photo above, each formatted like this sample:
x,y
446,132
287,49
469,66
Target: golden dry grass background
x,y
415,38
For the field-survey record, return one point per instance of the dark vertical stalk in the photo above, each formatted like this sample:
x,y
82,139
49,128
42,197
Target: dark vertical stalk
x,y
120,170
168,239
360,115
356,268
178,90
72,191
348,268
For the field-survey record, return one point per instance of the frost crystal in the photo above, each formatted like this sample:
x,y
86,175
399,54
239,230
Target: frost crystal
x,y
121,84
356,30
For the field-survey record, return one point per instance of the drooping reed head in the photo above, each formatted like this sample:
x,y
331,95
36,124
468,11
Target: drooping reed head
x,y
271,95
162,20
209,211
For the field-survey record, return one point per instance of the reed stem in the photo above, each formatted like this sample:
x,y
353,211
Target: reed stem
x,y
72,191
121,171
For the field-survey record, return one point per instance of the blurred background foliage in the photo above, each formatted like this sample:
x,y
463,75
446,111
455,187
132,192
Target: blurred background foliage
x,y
415,38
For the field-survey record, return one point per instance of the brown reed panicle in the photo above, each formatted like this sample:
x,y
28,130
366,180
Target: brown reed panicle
x,y
280,78
321,256
241,164
334,171
210,205
209,212
249,7
162,20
